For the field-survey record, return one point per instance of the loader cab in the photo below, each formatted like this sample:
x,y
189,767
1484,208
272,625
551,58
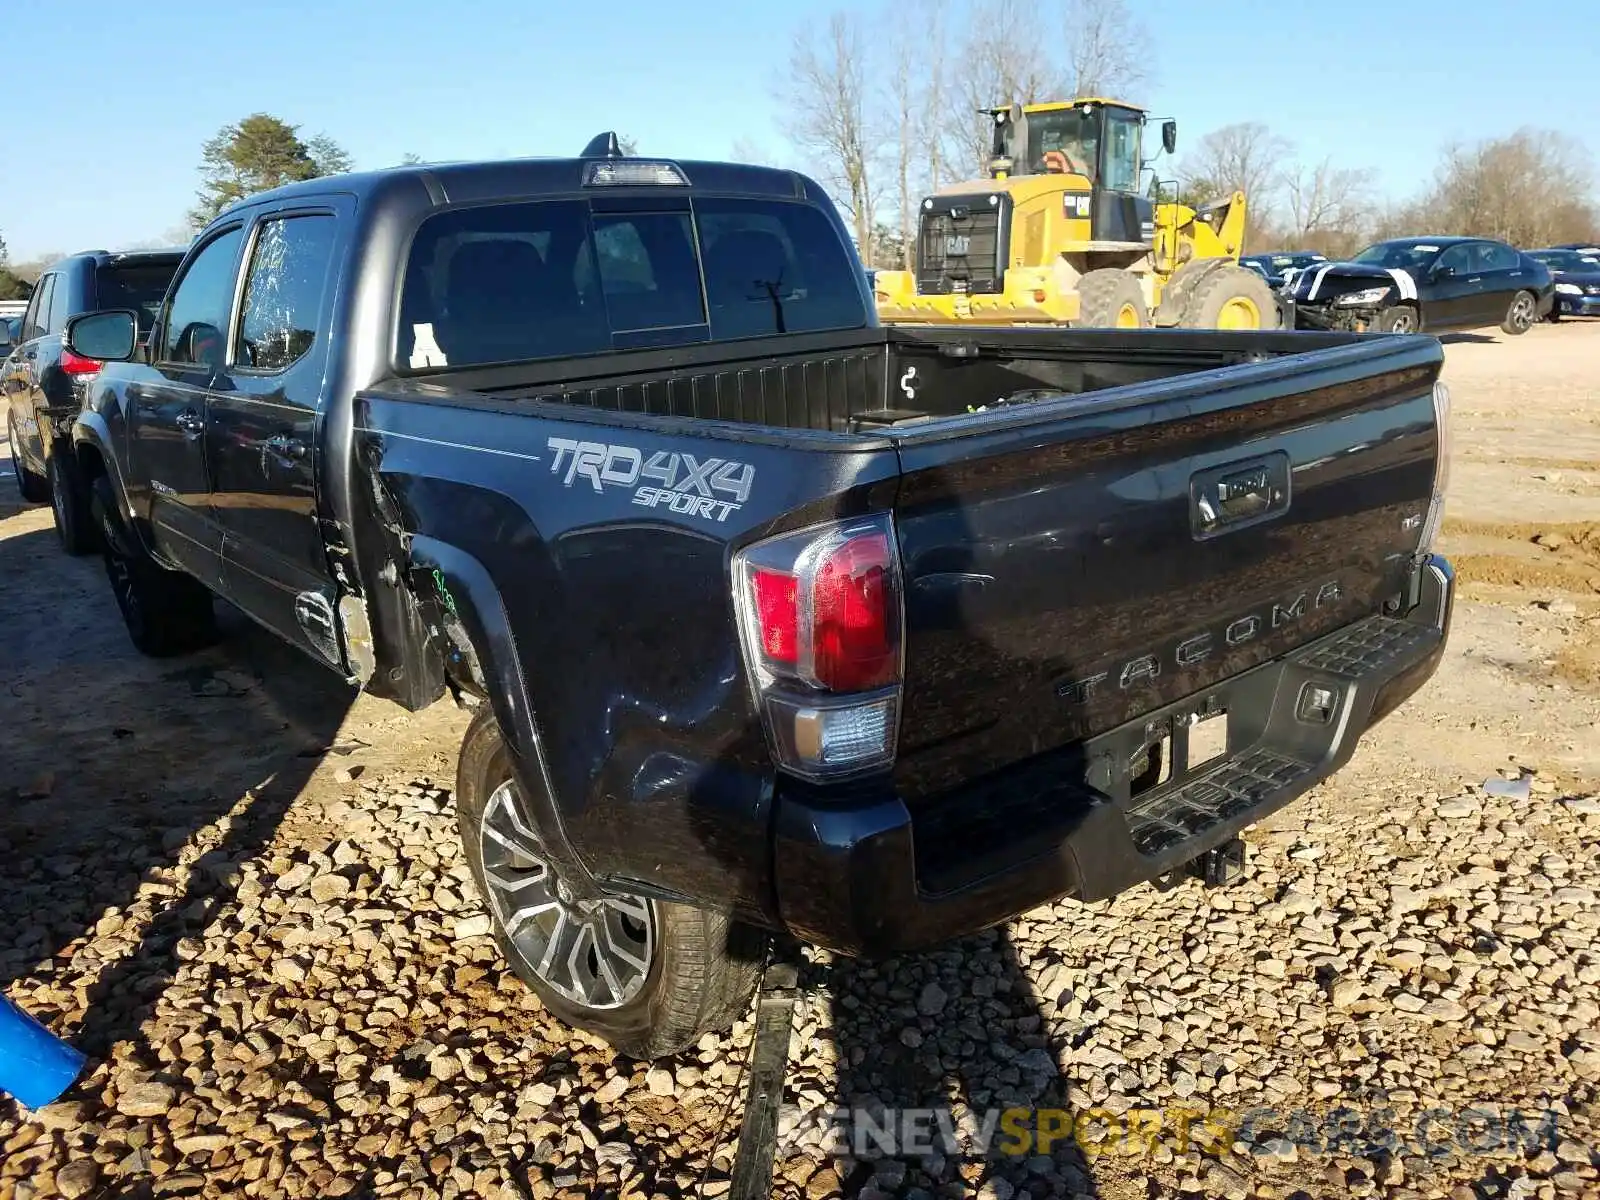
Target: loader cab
x,y
1098,140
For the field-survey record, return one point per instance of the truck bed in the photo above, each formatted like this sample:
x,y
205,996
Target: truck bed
x,y
880,379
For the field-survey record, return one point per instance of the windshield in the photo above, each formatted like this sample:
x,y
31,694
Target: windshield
x,y
1399,254
1101,144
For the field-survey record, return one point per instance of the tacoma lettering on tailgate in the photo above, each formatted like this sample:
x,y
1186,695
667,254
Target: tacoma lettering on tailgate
x,y
688,485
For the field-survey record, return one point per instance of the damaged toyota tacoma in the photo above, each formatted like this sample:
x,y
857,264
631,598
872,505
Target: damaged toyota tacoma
x,y
775,620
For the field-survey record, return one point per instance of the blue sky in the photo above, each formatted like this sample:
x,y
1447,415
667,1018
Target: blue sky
x,y
112,158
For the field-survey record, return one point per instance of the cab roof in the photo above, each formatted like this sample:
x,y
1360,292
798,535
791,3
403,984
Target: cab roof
x,y
534,178
1059,105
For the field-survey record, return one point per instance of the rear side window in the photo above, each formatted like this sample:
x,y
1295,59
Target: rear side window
x,y
38,308
1493,256
58,314
137,286
283,292
519,282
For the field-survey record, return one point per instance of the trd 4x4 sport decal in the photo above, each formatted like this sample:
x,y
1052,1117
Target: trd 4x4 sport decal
x,y
710,487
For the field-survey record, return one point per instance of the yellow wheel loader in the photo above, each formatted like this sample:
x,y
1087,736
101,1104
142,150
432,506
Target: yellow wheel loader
x,y
1060,234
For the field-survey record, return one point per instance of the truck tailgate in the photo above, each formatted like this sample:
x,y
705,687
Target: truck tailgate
x,y
1073,563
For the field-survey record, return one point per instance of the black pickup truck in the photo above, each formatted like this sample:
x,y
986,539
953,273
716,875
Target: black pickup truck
x,y
778,620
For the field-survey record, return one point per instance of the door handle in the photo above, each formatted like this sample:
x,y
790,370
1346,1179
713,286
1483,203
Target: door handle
x,y
282,449
1475,279
192,423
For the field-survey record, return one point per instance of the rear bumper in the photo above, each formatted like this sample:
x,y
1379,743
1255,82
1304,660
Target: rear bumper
x,y
872,879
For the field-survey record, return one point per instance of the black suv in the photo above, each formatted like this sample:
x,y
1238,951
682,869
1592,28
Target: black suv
x,y
42,382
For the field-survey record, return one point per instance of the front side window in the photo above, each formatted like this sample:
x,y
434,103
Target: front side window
x,y
518,282
1121,170
197,314
283,292
1456,260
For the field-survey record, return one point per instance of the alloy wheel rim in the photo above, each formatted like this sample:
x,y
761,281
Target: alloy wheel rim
x,y
1522,311
1402,323
596,953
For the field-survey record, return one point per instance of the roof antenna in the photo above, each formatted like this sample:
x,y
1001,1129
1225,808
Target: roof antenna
x,y
604,145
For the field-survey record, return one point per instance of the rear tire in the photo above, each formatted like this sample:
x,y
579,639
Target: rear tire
x,y
1398,318
34,489
69,502
1111,299
1232,297
166,612
670,972
1521,315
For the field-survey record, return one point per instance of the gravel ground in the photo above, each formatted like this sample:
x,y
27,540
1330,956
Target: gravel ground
x,y
242,894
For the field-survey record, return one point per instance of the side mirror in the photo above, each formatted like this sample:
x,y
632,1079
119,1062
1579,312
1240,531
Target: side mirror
x,y
1169,136
106,336
1443,271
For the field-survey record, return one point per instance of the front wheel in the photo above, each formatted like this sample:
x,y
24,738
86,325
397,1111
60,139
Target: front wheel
x,y
1521,315
1401,318
1232,297
650,977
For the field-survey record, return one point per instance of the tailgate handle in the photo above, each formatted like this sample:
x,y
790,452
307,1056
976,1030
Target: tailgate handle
x,y
1239,494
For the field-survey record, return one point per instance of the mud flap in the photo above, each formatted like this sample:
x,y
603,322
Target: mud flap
x,y
769,1060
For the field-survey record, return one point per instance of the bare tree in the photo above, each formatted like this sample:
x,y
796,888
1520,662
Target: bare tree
x,y
917,104
1247,157
1329,207
1108,48
1005,60
831,117
1530,188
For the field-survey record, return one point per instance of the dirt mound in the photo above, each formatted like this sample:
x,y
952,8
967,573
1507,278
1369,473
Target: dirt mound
x,y
1540,557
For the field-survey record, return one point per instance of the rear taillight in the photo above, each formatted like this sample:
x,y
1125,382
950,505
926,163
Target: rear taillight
x,y
1434,521
820,615
77,364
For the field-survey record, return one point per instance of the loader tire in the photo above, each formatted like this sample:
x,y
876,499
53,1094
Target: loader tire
x,y
1231,297
671,972
1111,299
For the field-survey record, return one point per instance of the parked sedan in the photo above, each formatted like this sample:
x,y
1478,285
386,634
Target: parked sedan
x,y
1577,277
1425,284
1280,269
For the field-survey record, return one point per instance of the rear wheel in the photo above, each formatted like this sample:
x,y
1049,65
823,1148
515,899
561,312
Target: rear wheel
x,y
1521,315
1401,318
1111,299
35,489
166,612
69,502
648,976
1231,297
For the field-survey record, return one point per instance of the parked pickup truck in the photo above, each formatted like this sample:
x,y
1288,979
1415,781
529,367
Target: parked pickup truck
x,y
778,620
